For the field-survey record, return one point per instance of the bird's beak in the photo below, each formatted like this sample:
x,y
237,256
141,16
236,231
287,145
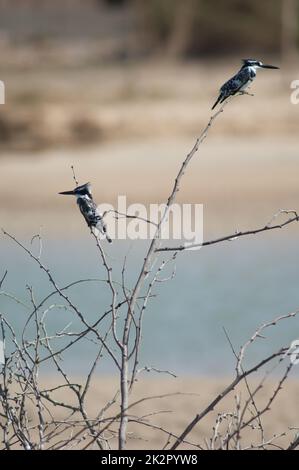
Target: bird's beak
x,y
67,193
265,66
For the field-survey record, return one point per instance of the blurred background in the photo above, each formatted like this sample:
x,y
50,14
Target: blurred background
x,y
120,89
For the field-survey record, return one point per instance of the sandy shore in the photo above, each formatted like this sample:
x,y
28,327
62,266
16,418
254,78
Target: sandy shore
x,y
241,183
169,404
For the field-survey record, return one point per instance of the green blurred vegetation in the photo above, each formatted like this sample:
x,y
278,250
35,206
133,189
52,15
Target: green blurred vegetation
x,y
212,27
137,28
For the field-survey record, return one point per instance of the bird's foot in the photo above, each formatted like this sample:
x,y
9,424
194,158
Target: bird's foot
x,y
246,93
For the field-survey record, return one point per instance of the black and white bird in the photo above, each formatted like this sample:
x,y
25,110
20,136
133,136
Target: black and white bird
x,y
89,210
239,82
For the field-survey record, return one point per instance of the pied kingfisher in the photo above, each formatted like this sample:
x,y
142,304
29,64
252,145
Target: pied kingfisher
x,y
239,82
89,210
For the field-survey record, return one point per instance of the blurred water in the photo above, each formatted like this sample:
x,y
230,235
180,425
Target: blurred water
x,y
237,285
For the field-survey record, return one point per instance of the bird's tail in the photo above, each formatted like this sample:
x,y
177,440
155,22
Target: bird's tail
x,y
218,99
101,232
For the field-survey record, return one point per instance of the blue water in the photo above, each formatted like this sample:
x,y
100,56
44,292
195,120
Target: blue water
x,y
236,286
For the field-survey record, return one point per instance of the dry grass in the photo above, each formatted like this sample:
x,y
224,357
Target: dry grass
x,y
65,105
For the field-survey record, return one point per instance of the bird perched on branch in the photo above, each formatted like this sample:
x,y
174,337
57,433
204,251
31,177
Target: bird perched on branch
x,y
89,210
239,82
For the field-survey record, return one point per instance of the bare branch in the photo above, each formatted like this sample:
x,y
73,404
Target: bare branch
x,y
238,234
